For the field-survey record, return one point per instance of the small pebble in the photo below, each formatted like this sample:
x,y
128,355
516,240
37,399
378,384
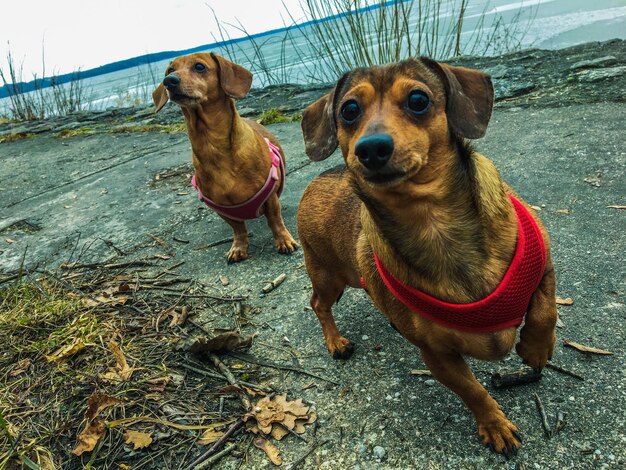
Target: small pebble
x,y
378,452
362,450
430,382
365,337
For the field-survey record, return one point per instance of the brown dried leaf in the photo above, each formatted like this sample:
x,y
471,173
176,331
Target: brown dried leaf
x,y
209,437
224,280
421,372
159,384
98,402
66,351
567,301
270,449
278,432
89,437
586,349
122,371
138,439
179,317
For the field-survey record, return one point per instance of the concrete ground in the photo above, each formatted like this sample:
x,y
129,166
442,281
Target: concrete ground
x,y
96,196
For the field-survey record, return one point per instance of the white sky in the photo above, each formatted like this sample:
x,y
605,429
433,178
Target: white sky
x,y
86,34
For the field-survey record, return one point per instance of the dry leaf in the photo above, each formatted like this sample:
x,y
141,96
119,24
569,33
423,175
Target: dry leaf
x,y
567,301
98,402
209,437
158,384
122,371
537,208
224,280
138,439
421,372
270,449
616,207
9,240
180,317
66,351
275,416
89,437
587,349
563,211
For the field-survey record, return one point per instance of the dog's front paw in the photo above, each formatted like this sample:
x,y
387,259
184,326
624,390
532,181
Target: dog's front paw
x,y
237,253
286,244
535,353
340,348
501,436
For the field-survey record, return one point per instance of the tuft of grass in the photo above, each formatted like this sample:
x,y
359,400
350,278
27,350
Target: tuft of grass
x,y
50,96
335,36
275,115
272,116
57,330
67,133
163,128
16,136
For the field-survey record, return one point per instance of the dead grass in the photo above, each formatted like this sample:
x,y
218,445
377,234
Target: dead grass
x,y
162,128
88,332
16,136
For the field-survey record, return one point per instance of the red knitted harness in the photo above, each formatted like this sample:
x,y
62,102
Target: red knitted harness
x,y
505,306
251,209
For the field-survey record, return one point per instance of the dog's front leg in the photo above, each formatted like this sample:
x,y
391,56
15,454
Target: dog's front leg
x,y
537,337
495,430
239,249
282,238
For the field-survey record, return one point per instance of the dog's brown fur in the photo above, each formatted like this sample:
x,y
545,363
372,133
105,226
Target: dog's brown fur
x,y
229,154
442,223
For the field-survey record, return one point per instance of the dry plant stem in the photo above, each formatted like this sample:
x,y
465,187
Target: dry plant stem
x,y
308,452
270,286
231,379
560,423
565,371
516,377
216,457
214,448
544,417
260,362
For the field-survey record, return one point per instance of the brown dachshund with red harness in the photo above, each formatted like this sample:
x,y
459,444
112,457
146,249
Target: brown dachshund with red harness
x,y
444,247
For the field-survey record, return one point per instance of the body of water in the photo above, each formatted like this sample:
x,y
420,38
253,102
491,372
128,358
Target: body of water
x,y
288,56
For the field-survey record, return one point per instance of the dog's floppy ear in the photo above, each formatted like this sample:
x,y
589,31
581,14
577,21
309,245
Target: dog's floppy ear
x,y
234,79
160,98
319,127
469,95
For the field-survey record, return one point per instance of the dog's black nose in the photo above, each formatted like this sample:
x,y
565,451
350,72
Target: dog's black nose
x,y
374,151
171,81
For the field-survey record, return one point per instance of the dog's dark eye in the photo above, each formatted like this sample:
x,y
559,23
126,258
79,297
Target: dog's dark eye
x,y
169,71
418,102
350,111
199,67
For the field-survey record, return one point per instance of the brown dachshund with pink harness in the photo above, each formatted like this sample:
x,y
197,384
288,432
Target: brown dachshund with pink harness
x,y
239,165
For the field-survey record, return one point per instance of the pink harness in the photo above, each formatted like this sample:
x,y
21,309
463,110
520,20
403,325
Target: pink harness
x,y
251,209
504,307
